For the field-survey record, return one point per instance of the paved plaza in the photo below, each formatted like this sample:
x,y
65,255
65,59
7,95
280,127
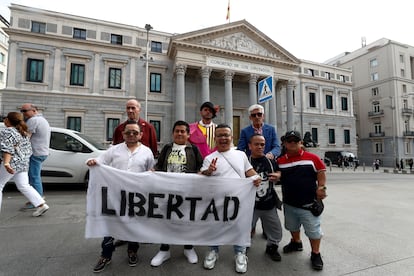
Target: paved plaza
x,y
368,222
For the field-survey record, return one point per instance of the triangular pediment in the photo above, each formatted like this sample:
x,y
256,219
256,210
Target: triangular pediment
x,y
238,38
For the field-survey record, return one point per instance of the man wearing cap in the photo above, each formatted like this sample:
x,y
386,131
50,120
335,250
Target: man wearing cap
x,y
256,116
202,132
303,180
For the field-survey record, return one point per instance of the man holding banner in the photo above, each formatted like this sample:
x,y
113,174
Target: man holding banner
x,y
230,163
128,156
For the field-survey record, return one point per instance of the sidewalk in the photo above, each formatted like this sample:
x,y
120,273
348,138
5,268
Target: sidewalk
x,y
367,226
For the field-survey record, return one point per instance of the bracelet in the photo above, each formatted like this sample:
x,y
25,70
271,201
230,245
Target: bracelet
x,y
323,187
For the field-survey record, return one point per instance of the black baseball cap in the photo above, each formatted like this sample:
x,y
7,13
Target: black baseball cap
x,y
209,105
292,133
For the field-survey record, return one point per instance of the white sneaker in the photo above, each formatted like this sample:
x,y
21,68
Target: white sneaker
x,y
40,210
161,257
241,262
210,259
191,255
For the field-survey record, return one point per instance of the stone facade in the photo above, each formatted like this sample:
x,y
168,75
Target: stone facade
x,y
91,67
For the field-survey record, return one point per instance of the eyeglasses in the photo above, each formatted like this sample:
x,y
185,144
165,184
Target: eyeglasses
x,y
259,115
133,132
24,110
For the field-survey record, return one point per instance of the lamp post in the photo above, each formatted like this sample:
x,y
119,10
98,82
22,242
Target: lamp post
x,y
148,27
393,131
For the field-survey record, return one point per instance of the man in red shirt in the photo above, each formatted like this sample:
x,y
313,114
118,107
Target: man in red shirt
x,y
149,137
303,181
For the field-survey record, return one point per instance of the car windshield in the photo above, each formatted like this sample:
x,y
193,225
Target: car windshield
x,y
97,145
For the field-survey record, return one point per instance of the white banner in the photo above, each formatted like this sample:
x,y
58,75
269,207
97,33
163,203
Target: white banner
x,y
170,208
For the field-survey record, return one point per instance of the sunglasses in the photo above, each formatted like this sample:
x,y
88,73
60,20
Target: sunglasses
x,y
133,132
24,110
259,114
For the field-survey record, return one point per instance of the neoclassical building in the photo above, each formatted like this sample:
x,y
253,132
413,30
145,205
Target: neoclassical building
x,y
81,71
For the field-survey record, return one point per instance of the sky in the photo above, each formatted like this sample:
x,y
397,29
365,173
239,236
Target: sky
x,y
312,30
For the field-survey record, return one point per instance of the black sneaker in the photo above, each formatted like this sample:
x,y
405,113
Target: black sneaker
x,y
292,247
271,250
317,262
102,263
132,258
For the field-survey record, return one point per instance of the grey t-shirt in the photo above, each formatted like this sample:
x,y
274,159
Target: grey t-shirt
x,y
40,139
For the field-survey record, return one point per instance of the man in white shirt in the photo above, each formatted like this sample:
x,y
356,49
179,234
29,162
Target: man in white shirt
x,y
227,162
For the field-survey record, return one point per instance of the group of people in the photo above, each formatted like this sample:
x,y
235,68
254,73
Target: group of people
x,y
24,145
206,148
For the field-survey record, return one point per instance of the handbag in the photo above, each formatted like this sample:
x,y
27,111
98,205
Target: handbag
x,y
317,207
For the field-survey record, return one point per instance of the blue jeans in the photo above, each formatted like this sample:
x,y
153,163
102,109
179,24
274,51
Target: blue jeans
x,y
35,168
295,217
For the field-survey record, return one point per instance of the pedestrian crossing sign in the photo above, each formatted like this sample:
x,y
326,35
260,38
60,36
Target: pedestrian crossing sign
x,y
265,90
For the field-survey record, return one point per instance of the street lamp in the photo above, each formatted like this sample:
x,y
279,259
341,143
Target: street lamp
x,y
393,130
148,27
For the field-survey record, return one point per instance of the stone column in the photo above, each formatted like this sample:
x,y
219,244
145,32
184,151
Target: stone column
x,y
272,105
132,79
289,105
228,98
11,65
180,92
96,76
56,70
253,89
205,84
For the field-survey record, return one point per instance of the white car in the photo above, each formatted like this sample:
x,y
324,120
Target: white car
x,y
69,151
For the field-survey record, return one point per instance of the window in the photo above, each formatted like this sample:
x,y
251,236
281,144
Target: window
x,y
373,62
377,128
329,103
157,126
156,47
407,147
79,33
377,147
344,103
327,75
375,91
38,27
155,82
401,58
315,134
116,39
376,107
311,72
1,76
312,99
402,72
406,125
111,124
331,133
347,137
2,58
34,71
115,78
404,88
77,74
342,78
74,123
374,76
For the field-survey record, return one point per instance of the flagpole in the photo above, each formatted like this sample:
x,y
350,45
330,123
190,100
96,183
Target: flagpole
x,y
228,12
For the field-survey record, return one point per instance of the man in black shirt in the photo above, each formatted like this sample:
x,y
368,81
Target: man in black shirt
x,y
267,200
